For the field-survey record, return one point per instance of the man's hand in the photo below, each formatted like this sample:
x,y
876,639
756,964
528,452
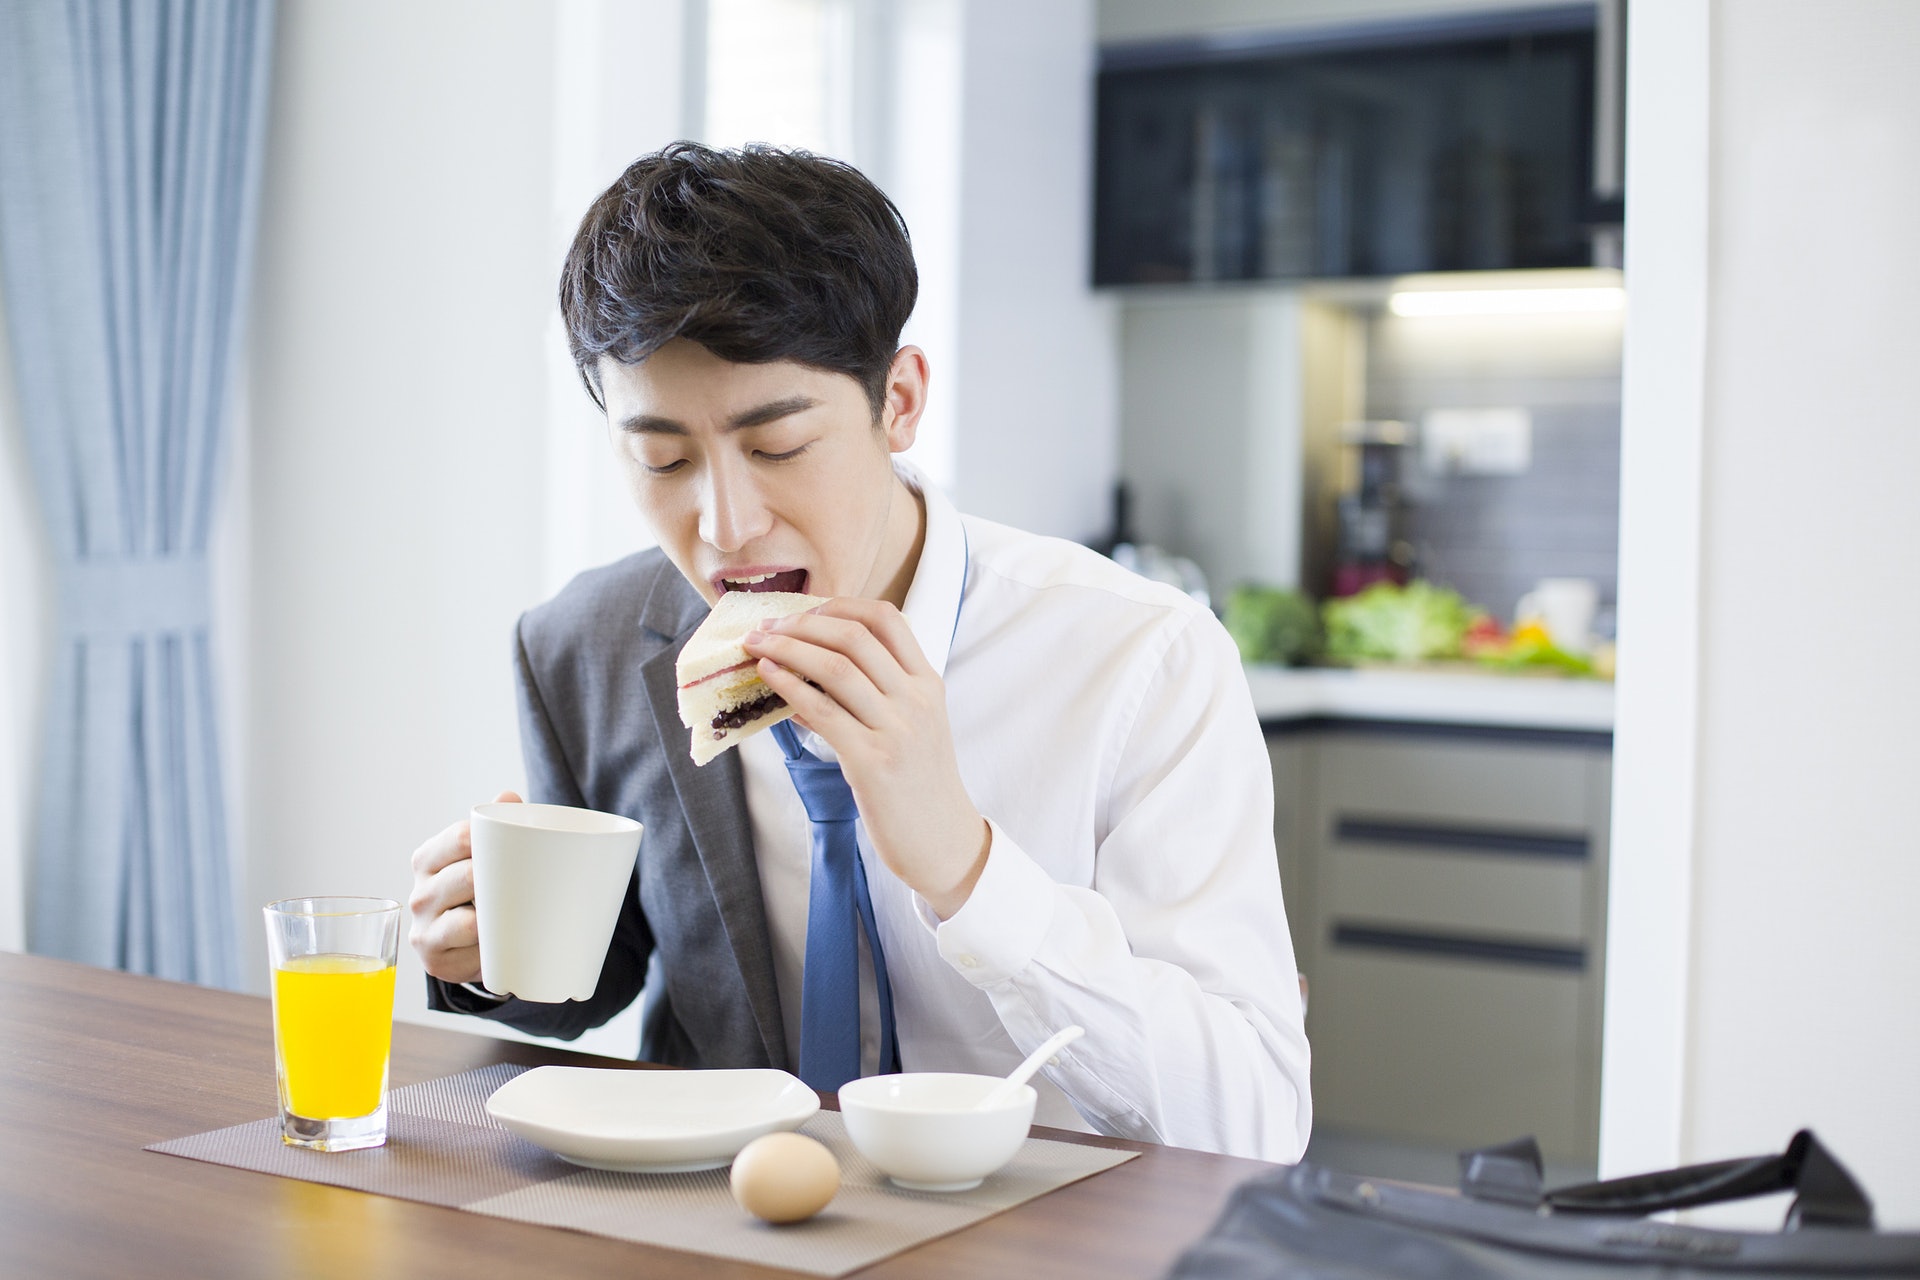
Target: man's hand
x,y
854,674
443,930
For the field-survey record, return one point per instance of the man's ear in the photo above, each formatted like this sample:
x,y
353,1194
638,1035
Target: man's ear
x,y
906,398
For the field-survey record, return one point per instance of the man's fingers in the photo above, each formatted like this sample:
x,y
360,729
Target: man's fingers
x,y
460,966
885,623
447,941
839,657
817,711
450,846
456,930
864,635
449,945
442,928
453,843
447,888
848,663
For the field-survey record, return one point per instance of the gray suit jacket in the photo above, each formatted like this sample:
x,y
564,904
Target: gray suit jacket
x,y
600,728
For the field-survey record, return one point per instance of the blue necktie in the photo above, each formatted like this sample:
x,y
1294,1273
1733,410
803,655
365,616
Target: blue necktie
x,y
830,988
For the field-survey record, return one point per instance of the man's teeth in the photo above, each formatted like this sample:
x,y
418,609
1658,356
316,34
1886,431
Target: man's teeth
x,y
748,582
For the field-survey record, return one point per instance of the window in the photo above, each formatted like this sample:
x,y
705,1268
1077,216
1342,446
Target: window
x,y
780,71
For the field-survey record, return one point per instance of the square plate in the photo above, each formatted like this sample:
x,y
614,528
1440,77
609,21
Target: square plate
x,y
650,1121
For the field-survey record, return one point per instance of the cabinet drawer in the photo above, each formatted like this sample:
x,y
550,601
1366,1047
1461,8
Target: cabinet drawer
x,y
1457,1052
1487,786
1460,892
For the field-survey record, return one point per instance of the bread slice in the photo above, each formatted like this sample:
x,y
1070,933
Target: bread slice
x,y
723,700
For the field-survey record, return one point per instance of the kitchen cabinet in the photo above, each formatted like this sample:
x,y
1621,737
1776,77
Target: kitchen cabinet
x,y
1464,142
1447,894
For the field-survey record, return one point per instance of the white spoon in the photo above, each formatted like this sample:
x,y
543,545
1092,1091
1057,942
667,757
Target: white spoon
x,y
1035,1060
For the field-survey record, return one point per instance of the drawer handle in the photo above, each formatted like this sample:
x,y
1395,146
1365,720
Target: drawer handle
x,y
1428,836
1461,946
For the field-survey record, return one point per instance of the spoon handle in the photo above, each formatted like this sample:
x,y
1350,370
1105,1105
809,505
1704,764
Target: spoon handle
x,y
1035,1060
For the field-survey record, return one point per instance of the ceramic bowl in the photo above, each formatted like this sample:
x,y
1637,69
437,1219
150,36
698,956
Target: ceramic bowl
x,y
923,1132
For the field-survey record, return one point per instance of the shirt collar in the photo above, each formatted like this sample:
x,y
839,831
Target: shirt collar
x,y
932,606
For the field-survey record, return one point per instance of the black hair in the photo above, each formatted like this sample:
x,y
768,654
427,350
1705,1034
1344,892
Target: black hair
x,y
759,254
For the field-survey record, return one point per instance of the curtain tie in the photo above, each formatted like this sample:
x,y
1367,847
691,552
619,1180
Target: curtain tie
x,y
135,595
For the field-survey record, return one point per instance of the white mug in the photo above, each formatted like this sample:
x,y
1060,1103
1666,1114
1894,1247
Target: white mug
x,y
548,882
1565,606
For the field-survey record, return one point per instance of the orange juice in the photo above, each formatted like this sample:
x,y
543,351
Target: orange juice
x,y
333,1024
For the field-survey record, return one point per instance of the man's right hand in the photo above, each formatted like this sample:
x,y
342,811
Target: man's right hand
x,y
443,932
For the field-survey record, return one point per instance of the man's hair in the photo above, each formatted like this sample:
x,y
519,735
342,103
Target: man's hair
x,y
758,255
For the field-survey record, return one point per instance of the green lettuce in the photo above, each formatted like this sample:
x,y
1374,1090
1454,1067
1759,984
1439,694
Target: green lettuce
x,y
1272,624
1392,623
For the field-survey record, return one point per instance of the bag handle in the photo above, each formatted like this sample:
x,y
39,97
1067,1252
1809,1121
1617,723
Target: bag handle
x,y
1826,1194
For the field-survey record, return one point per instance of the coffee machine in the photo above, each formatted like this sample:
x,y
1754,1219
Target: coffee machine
x,y
1372,544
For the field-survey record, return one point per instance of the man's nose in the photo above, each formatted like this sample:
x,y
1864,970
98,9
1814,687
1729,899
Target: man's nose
x,y
733,513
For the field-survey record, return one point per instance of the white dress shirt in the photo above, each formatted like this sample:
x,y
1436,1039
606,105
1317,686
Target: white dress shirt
x,y
1104,729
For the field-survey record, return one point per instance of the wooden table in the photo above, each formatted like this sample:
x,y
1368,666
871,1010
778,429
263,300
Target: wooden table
x,y
94,1065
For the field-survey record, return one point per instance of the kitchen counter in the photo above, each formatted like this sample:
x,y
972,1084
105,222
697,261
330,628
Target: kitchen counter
x,y
1551,703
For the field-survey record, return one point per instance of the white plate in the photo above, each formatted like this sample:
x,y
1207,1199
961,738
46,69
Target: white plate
x,y
650,1121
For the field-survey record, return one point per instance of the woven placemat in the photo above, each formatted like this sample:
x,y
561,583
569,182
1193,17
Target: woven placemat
x,y
443,1149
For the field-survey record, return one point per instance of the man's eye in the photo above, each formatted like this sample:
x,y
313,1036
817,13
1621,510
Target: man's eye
x,y
788,455
666,470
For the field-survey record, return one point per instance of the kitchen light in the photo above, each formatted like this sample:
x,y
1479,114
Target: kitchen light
x,y
1506,302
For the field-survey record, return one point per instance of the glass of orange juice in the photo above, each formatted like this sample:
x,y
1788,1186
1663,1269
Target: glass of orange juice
x,y
333,965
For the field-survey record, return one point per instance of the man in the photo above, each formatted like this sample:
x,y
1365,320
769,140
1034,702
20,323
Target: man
x,y
1064,804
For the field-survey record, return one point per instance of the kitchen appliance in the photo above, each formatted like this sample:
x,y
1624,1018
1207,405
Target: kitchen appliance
x,y
1373,544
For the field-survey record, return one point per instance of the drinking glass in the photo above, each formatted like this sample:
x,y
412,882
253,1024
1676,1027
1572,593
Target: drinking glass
x,y
333,965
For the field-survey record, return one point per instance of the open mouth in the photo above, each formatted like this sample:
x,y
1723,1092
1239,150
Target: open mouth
x,y
794,580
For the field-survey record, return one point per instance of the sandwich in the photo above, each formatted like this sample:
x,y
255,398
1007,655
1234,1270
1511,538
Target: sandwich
x,y
723,700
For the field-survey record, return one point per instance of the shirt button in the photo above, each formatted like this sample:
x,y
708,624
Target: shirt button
x,y
969,962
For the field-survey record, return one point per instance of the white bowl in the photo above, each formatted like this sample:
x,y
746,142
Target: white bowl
x,y
650,1121
922,1130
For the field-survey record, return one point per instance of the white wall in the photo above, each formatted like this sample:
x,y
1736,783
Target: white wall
x,y
1807,951
1784,352
1037,444
1211,428
1650,876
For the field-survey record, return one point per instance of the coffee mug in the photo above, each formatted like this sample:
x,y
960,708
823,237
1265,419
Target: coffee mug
x,y
1565,607
548,882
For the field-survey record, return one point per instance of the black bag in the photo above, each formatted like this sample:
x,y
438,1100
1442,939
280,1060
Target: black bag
x,y
1309,1223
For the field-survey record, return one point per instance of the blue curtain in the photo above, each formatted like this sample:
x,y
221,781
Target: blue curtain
x,y
130,141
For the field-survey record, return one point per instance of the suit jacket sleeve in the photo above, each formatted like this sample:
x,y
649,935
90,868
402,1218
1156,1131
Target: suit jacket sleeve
x,y
551,779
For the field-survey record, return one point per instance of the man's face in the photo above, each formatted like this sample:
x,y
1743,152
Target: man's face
x,y
767,477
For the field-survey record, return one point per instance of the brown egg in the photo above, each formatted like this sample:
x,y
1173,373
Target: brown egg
x,y
784,1177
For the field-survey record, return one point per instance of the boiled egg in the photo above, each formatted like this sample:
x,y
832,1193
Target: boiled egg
x,y
784,1177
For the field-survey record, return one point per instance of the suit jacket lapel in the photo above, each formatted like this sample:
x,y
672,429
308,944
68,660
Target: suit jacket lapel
x,y
713,799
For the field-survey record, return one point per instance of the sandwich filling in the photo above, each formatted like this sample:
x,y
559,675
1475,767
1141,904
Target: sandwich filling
x,y
725,720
